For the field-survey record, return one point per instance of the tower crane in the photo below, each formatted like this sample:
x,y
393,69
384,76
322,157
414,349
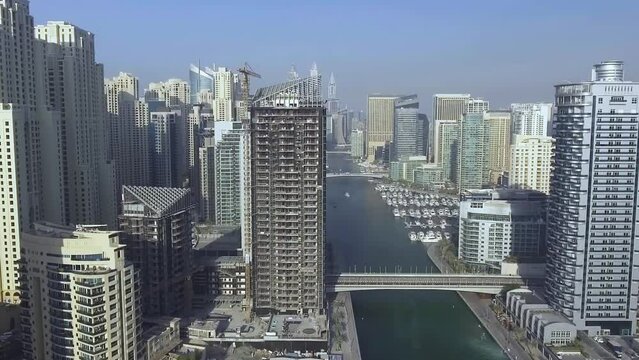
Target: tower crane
x,y
246,71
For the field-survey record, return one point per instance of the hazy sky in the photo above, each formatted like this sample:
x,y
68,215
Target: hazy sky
x,y
502,50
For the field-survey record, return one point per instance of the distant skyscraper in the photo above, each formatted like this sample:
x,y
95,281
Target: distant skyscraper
x,y
76,90
422,134
206,174
23,92
381,114
497,125
477,106
292,74
332,104
288,197
471,152
174,92
532,119
448,152
163,139
592,269
358,144
81,297
224,95
339,128
228,170
200,80
405,127
531,163
129,119
157,226
445,107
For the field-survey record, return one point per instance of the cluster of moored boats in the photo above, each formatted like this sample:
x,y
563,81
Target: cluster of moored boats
x,y
430,213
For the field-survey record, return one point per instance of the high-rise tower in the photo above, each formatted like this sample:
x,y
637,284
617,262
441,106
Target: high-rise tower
x,y
20,118
288,197
593,245
381,115
405,127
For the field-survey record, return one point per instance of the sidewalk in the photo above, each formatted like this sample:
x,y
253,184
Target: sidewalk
x,y
481,309
349,347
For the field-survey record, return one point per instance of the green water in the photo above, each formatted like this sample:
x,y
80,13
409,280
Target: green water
x,y
362,232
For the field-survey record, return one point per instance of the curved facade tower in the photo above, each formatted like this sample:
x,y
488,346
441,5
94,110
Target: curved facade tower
x,y
593,245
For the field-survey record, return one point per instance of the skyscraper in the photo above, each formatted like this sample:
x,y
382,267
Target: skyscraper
x,y
80,296
228,171
448,152
531,163
224,95
332,104
381,114
157,226
173,92
422,134
164,154
200,80
405,127
358,144
471,152
497,125
76,91
532,119
20,112
288,197
129,119
477,106
445,107
592,271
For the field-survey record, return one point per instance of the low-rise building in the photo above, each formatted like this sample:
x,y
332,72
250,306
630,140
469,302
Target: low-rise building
x,y
403,170
430,176
544,326
160,336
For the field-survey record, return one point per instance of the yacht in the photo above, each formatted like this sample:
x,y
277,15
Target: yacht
x,y
347,195
412,236
396,212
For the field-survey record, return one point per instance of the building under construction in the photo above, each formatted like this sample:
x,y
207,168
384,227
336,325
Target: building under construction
x,y
288,197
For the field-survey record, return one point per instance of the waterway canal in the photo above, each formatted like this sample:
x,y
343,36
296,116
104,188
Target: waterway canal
x,y
364,235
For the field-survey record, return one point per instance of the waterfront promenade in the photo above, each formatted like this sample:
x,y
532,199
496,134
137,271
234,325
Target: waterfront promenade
x,y
481,308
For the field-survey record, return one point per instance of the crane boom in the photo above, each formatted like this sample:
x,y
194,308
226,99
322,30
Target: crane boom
x,y
246,71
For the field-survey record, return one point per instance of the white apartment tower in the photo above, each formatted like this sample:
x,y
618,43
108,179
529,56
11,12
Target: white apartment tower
x,y
224,94
81,296
593,245
531,163
532,119
76,85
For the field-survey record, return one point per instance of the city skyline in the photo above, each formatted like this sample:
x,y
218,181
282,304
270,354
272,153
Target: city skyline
x,y
508,59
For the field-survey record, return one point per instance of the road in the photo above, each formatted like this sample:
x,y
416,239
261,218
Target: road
x,y
480,307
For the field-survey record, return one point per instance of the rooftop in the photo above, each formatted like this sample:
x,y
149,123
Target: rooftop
x,y
159,200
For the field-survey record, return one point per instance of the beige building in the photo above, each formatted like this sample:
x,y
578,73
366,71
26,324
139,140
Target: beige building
x,y
224,94
381,113
174,92
80,293
531,162
497,144
129,119
75,83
